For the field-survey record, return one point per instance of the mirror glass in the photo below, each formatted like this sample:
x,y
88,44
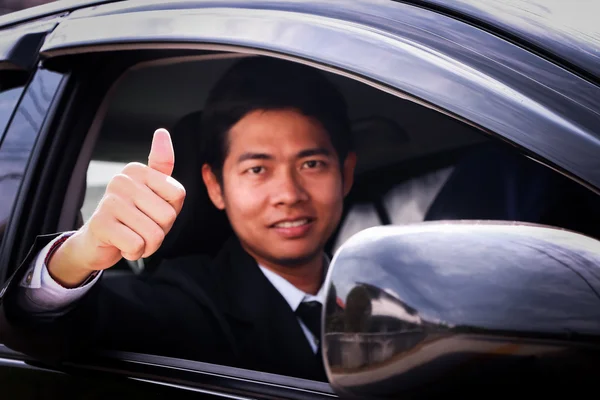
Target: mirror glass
x,y
443,307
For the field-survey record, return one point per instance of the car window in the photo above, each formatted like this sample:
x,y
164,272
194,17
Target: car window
x,y
11,88
387,130
8,101
491,181
414,164
22,125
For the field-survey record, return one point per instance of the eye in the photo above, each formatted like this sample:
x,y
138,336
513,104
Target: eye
x,y
313,164
256,170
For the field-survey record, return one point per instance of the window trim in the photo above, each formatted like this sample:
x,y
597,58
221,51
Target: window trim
x,y
502,89
19,47
194,376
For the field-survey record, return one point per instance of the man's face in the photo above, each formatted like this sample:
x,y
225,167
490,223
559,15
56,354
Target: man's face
x,y
283,187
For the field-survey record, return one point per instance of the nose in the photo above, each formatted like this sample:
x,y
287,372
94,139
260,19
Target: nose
x,y
289,189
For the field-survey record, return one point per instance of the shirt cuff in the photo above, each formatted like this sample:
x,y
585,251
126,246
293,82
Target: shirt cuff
x,y
42,292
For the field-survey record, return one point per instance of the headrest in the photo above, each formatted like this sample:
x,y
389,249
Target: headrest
x,y
200,228
378,141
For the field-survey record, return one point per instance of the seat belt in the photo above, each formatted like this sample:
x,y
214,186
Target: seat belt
x,y
382,212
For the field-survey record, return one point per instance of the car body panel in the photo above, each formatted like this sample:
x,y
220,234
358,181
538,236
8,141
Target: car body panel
x,y
562,29
174,375
438,60
49,10
544,26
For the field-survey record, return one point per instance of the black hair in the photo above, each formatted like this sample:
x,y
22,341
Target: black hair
x,y
264,83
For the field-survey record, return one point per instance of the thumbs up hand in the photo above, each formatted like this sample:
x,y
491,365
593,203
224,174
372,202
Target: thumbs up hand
x,y
138,209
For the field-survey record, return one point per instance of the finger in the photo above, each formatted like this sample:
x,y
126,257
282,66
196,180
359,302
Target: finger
x,y
166,187
155,207
162,155
130,244
148,202
137,221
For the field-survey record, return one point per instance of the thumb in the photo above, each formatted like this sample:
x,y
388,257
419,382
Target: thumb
x,y
162,156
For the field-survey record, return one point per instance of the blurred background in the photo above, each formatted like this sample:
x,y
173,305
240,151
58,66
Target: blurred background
x,y
8,6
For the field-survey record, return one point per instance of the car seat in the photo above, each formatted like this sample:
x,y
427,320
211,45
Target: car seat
x,y
200,228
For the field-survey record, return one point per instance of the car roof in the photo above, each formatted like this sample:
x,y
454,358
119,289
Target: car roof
x,y
563,32
46,10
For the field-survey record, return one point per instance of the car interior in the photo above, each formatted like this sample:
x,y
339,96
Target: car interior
x,y
414,163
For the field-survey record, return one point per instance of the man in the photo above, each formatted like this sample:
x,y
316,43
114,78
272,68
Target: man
x,y
278,160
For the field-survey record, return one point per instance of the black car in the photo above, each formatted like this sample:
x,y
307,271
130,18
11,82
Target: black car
x,y
468,255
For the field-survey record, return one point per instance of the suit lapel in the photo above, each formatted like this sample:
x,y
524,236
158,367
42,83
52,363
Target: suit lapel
x,y
266,328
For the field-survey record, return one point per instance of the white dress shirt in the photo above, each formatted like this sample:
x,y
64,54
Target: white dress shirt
x,y
42,294
294,297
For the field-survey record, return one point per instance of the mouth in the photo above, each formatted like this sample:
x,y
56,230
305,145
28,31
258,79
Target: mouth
x,y
292,223
293,228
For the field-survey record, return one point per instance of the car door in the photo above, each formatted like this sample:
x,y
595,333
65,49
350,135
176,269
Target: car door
x,y
431,59
29,97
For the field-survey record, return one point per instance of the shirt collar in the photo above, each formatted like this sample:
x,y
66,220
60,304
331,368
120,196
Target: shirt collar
x,y
291,293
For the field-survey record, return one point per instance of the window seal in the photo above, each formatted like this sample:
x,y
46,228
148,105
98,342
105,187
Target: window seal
x,y
188,375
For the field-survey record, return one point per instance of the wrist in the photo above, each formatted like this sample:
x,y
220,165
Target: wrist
x,y
65,263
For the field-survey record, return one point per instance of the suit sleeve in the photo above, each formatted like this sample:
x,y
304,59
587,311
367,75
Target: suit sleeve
x,y
39,292
146,315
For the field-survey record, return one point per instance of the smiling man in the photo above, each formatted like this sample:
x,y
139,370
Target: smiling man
x,y
278,160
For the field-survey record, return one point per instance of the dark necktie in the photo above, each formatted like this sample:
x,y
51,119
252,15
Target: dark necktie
x,y
310,314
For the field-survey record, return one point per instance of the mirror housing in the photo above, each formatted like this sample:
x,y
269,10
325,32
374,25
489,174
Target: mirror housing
x,y
452,307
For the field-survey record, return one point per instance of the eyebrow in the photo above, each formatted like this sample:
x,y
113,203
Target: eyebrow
x,y
318,151
254,156
303,154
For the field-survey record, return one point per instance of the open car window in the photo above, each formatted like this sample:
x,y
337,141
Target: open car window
x,y
402,143
408,156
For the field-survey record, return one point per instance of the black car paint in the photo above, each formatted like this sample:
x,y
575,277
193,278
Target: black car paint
x,y
48,11
564,129
18,46
453,66
526,315
538,25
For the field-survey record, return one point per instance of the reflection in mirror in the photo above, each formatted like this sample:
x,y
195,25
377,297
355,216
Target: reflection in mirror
x,y
444,307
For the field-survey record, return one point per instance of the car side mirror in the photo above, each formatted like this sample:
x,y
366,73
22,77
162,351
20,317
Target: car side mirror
x,y
457,307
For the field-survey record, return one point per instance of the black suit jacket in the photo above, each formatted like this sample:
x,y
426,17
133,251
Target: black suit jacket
x,y
223,311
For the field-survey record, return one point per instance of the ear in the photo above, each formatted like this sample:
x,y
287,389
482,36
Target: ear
x,y
215,192
348,172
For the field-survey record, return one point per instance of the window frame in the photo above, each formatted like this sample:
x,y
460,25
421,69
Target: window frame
x,y
19,53
184,375
480,79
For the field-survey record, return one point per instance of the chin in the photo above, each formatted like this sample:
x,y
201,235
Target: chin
x,y
297,257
